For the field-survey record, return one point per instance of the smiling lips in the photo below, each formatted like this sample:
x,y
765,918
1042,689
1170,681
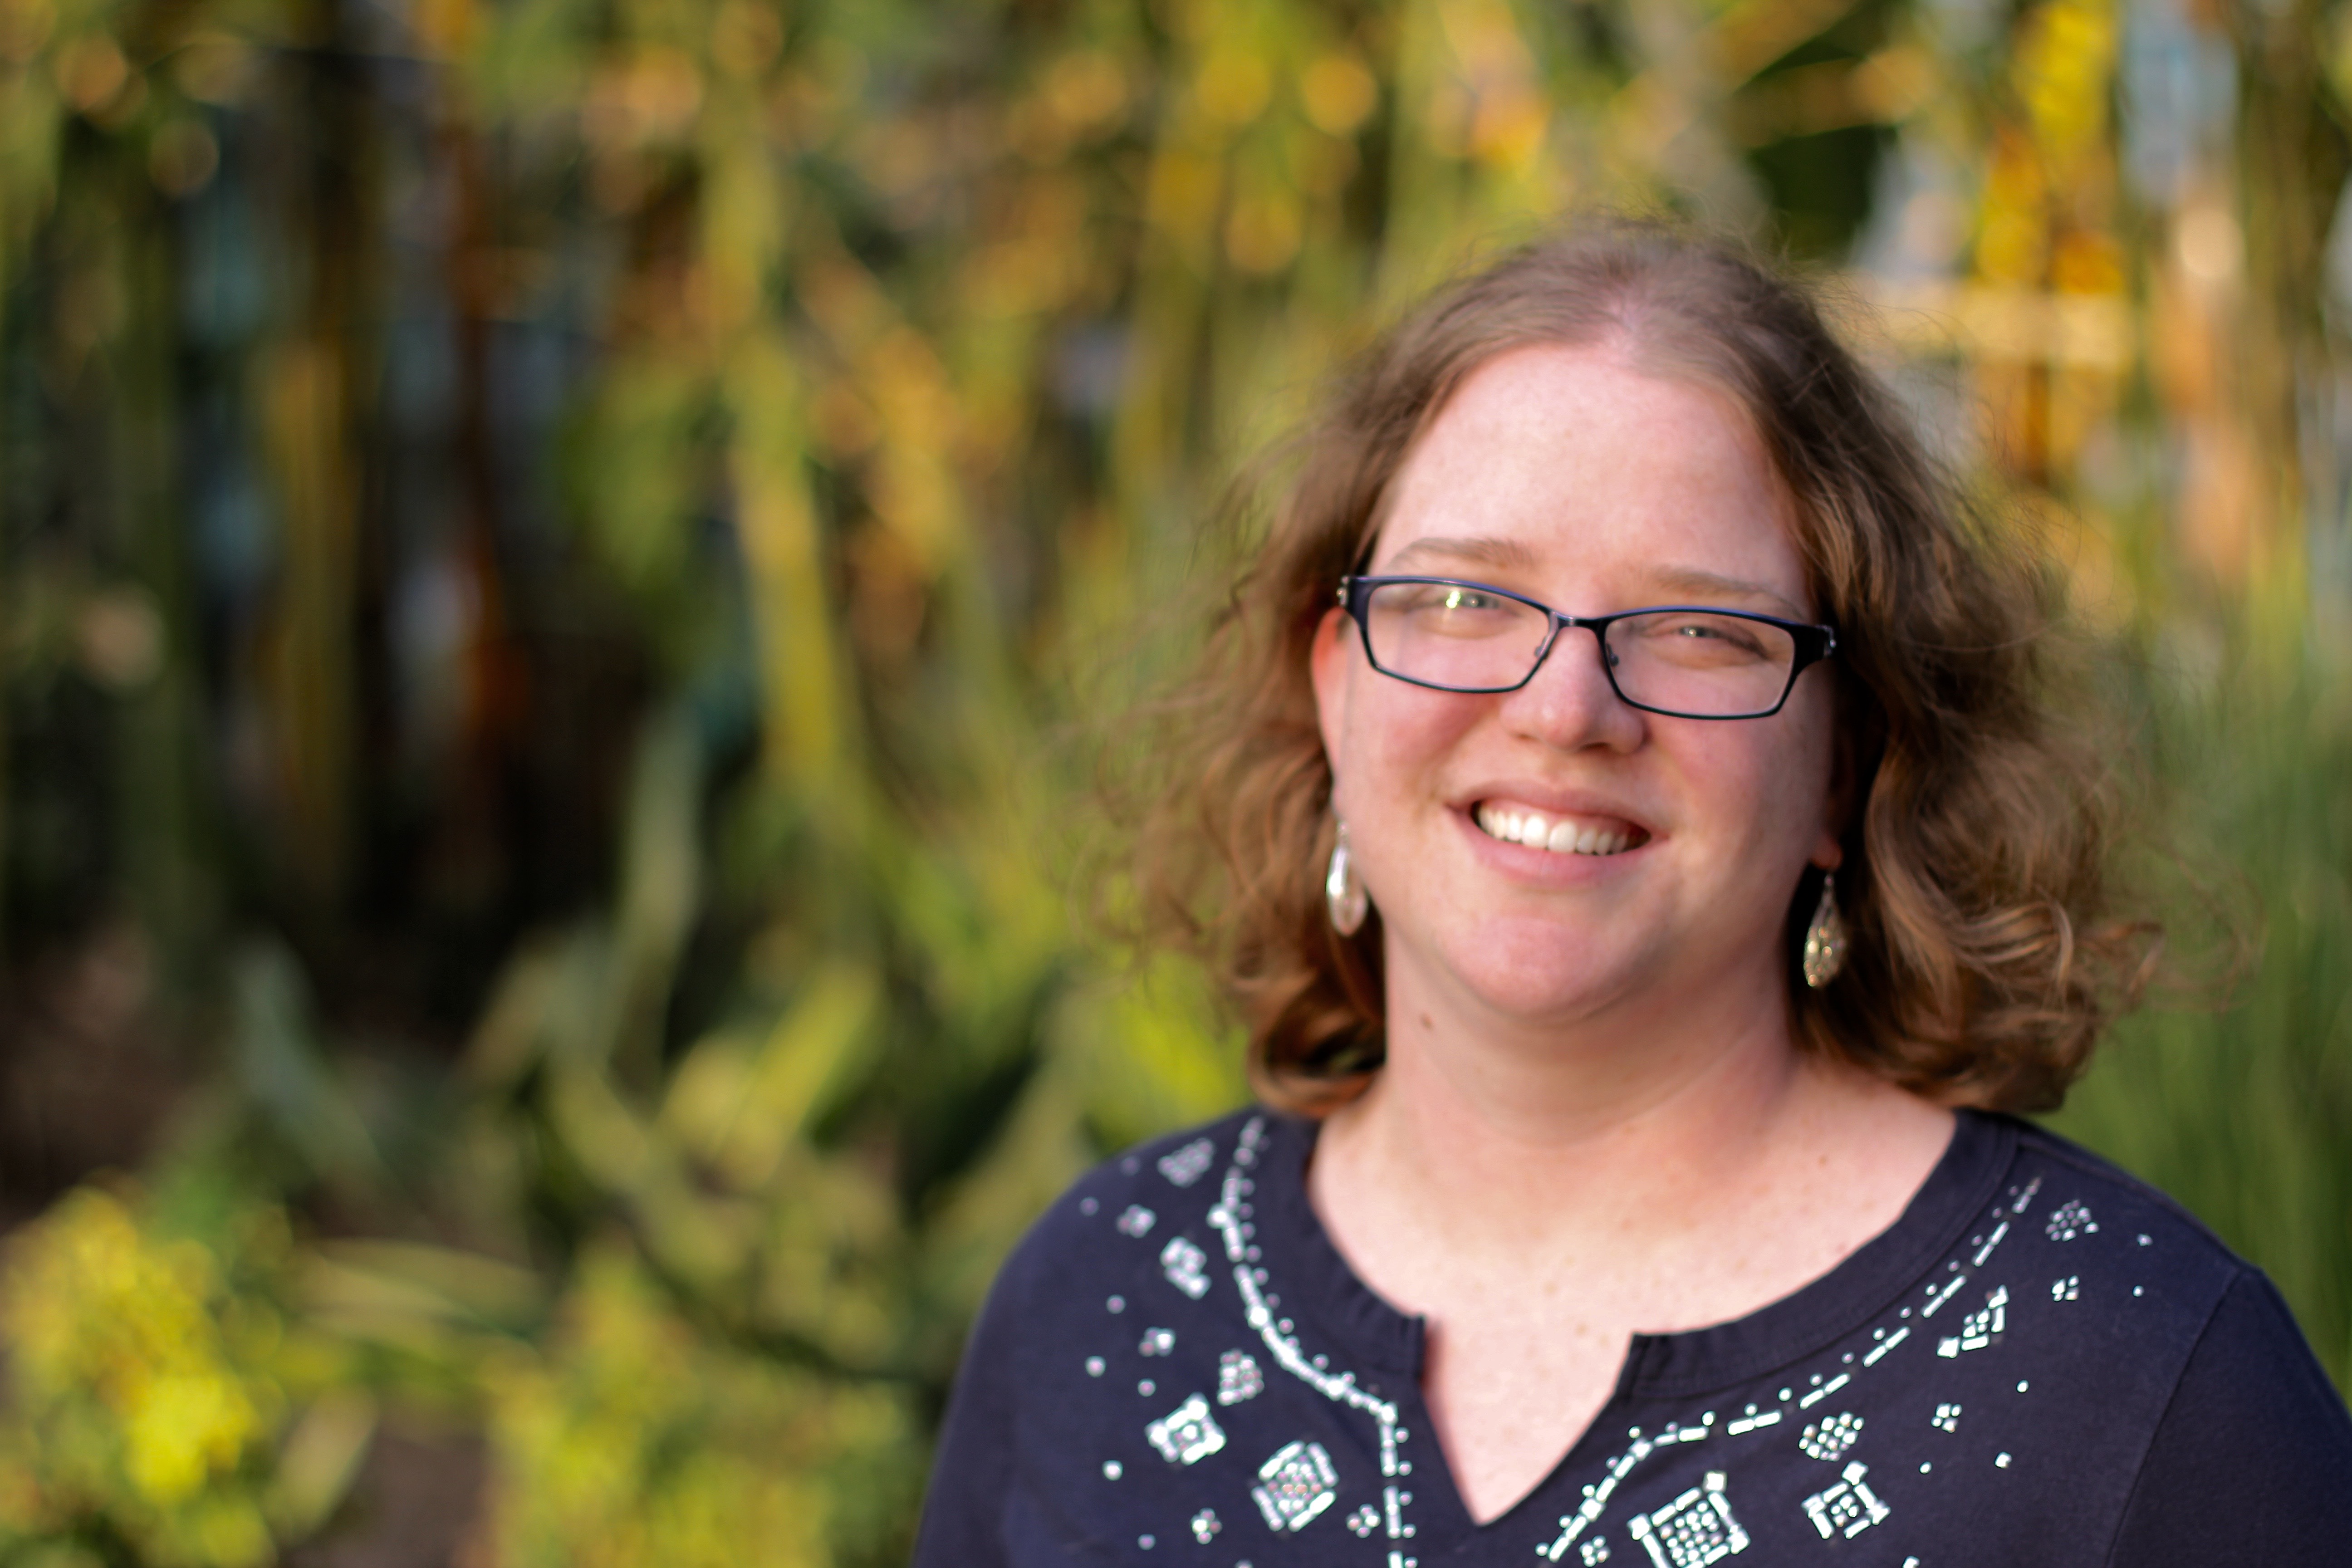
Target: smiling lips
x,y
1559,835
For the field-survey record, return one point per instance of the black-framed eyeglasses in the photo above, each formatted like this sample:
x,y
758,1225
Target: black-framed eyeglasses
x,y
1687,661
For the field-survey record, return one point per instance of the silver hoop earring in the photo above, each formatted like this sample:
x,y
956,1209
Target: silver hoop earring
x,y
1825,937
1343,892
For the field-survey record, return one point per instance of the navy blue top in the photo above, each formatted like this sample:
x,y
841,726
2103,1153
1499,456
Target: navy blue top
x,y
2043,1361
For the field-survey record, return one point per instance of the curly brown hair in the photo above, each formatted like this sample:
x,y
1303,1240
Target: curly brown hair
x,y
1983,960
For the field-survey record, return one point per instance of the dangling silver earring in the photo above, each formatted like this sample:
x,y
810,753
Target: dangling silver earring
x,y
1824,937
1343,891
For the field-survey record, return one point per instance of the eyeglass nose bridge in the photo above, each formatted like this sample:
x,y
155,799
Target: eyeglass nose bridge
x,y
1598,627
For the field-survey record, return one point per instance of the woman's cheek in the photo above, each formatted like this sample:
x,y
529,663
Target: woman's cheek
x,y
1414,728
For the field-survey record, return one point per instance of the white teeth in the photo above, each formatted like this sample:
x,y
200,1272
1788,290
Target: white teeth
x,y
1538,832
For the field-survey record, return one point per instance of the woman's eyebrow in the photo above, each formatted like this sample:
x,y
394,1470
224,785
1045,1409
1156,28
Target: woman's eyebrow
x,y
1482,550
1695,583
1686,582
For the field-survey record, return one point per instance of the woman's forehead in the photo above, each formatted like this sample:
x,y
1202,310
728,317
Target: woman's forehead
x,y
1552,457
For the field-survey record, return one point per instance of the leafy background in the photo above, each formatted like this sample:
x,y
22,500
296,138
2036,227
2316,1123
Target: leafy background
x,y
563,564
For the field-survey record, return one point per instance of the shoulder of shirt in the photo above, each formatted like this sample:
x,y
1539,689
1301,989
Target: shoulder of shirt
x,y
1157,1187
1176,1172
2147,1210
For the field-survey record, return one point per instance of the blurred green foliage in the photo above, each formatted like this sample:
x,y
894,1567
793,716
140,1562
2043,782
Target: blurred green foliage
x,y
563,564
634,1440
2235,1097
152,1373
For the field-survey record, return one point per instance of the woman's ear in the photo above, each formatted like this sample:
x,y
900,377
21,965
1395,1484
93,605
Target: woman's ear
x,y
1849,774
1327,665
1829,844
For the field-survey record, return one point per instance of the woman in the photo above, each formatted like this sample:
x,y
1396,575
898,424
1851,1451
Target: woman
x,y
1649,871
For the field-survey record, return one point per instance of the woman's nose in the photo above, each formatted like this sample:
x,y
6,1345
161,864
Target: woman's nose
x,y
1569,702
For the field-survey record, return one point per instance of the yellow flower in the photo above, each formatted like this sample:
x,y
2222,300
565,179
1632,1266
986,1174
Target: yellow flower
x,y
184,1426
130,1404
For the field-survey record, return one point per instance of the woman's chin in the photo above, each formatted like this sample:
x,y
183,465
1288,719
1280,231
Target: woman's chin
x,y
1532,973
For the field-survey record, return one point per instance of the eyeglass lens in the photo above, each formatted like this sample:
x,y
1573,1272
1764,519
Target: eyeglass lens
x,y
1688,662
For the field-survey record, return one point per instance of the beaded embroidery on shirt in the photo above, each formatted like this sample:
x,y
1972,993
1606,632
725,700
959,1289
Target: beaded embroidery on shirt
x,y
1701,1526
1298,1484
1853,1428
1231,1218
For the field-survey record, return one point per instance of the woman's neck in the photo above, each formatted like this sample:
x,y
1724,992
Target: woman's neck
x,y
1585,1130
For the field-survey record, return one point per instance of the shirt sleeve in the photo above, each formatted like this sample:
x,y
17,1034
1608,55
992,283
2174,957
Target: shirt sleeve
x,y
2251,1462
971,1475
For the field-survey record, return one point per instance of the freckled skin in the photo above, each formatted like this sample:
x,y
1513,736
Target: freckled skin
x,y
1599,1125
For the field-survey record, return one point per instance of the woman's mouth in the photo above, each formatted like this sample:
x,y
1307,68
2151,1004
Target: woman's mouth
x,y
1556,832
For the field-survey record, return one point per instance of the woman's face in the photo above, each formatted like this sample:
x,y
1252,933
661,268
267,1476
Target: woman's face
x,y
1570,476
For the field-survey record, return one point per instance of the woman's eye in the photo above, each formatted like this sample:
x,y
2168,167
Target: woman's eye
x,y
1691,637
1730,635
1438,596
